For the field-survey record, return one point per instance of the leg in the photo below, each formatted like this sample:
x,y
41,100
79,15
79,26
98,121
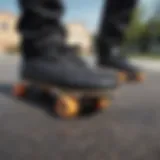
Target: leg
x,y
47,59
116,17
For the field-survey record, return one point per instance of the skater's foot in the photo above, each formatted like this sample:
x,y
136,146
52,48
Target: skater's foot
x,y
130,72
62,71
127,71
113,59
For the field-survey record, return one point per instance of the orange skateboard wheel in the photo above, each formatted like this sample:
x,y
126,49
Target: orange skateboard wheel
x,y
19,90
67,107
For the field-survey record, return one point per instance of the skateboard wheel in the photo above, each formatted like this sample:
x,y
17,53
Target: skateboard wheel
x,y
103,103
140,77
19,90
137,77
122,77
67,107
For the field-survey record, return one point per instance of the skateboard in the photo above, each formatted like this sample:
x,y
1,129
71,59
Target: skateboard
x,y
128,77
69,103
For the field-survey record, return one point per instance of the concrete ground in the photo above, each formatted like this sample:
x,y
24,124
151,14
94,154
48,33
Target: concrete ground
x,y
128,130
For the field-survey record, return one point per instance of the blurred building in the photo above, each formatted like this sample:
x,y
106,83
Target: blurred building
x,y
79,35
8,35
9,38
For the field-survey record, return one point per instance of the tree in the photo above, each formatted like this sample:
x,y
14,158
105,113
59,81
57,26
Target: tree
x,y
154,26
136,28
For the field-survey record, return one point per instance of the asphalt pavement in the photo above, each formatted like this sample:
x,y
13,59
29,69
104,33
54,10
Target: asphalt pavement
x,y
128,130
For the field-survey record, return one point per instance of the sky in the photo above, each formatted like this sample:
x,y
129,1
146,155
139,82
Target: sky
x,y
84,11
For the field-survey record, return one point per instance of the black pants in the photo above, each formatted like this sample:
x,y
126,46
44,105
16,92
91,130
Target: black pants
x,y
41,17
115,18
